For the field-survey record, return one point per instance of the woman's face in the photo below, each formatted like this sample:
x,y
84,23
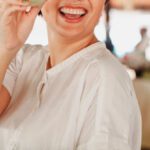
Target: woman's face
x,y
72,18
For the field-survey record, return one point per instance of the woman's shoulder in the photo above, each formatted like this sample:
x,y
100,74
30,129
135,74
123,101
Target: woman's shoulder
x,y
107,66
33,49
29,51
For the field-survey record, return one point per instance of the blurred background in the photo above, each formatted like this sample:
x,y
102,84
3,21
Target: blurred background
x,y
125,28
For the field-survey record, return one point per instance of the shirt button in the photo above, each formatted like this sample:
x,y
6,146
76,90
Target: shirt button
x,y
12,145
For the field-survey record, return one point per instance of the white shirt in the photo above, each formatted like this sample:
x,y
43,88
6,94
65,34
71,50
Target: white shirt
x,y
86,102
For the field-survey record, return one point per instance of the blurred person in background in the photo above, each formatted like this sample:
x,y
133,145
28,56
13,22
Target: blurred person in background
x,y
137,60
72,94
141,47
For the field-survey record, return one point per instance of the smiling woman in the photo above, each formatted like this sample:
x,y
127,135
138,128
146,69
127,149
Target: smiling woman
x,y
71,94
71,14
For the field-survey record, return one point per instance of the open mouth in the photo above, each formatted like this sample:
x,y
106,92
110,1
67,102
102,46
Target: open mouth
x,y
72,13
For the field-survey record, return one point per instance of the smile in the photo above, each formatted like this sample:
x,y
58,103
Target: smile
x,y
72,14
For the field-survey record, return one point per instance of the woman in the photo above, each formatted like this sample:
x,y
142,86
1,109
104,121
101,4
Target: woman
x,y
70,94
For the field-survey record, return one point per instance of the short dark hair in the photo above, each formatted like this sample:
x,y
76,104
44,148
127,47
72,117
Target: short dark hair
x,y
106,1
40,13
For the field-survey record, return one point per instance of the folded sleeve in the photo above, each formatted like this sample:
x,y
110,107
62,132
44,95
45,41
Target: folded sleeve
x,y
113,121
12,72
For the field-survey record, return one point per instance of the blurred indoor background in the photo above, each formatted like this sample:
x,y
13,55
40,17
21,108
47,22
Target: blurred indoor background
x,y
125,28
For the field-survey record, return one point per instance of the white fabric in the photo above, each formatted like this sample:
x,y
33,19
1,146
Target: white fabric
x,y
86,102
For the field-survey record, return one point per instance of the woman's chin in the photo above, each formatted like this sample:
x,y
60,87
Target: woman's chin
x,y
70,27
72,34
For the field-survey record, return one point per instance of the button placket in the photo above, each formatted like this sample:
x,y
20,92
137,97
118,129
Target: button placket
x,y
40,89
13,141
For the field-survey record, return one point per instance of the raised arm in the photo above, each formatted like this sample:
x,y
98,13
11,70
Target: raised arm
x,y
4,94
15,26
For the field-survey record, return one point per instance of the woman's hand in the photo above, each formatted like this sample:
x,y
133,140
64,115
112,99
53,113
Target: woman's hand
x,y
15,24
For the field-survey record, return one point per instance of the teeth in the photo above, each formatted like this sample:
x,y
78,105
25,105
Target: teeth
x,y
73,11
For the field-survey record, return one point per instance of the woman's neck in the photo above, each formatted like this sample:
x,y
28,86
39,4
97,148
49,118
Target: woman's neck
x,y
61,49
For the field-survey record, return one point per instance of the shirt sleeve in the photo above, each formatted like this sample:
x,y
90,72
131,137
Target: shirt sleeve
x,y
113,121
13,71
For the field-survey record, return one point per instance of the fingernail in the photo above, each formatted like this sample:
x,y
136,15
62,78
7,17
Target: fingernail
x,y
28,9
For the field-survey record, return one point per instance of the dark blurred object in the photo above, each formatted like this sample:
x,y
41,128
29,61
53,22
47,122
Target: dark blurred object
x,y
106,2
40,13
108,40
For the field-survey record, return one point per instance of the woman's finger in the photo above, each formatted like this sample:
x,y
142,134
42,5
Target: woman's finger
x,y
32,12
5,4
13,9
